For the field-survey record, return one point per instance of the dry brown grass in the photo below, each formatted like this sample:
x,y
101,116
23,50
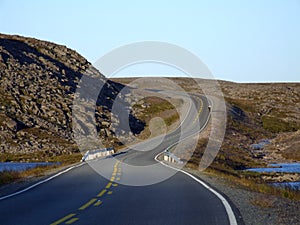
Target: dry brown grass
x,y
252,181
64,159
156,107
263,201
7,177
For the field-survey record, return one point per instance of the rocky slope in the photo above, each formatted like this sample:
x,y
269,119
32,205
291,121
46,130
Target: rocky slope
x,y
265,113
255,112
271,111
38,80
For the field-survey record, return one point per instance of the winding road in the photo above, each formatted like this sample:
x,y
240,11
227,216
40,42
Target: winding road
x,y
81,196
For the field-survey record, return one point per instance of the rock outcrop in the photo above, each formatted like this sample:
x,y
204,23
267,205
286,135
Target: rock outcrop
x,y
38,81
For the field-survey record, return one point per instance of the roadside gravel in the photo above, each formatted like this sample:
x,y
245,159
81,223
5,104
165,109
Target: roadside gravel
x,y
255,208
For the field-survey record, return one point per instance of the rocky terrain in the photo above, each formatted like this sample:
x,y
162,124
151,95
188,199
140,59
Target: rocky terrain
x,y
256,113
38,84
38,80
265,111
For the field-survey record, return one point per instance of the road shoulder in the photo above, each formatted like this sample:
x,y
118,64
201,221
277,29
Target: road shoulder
x,y
255,208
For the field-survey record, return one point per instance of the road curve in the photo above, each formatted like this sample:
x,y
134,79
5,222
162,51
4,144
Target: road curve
x,y
82,196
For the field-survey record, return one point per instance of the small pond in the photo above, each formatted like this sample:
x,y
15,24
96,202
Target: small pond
x,y
20,166
291,185
281,168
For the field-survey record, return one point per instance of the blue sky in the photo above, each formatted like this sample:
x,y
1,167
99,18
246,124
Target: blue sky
x,y
242,41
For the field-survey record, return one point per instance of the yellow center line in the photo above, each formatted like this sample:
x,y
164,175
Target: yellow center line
x,y
68,218
98,203
102,193
63,219
199,112
88,204
108,185
71,221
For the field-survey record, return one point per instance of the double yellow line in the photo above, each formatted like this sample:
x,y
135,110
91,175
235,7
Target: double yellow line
x,y
70,218
65,218
200,111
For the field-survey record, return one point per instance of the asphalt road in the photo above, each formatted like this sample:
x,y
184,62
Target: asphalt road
x,y
82,196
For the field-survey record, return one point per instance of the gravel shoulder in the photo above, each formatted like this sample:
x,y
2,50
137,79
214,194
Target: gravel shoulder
x,y
255,208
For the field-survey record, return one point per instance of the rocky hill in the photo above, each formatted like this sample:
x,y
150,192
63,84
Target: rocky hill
x,y
258,112
255,112
271,111
38,80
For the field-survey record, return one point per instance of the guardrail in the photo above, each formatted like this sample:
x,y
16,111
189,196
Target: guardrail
x,y
93,154
170,157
